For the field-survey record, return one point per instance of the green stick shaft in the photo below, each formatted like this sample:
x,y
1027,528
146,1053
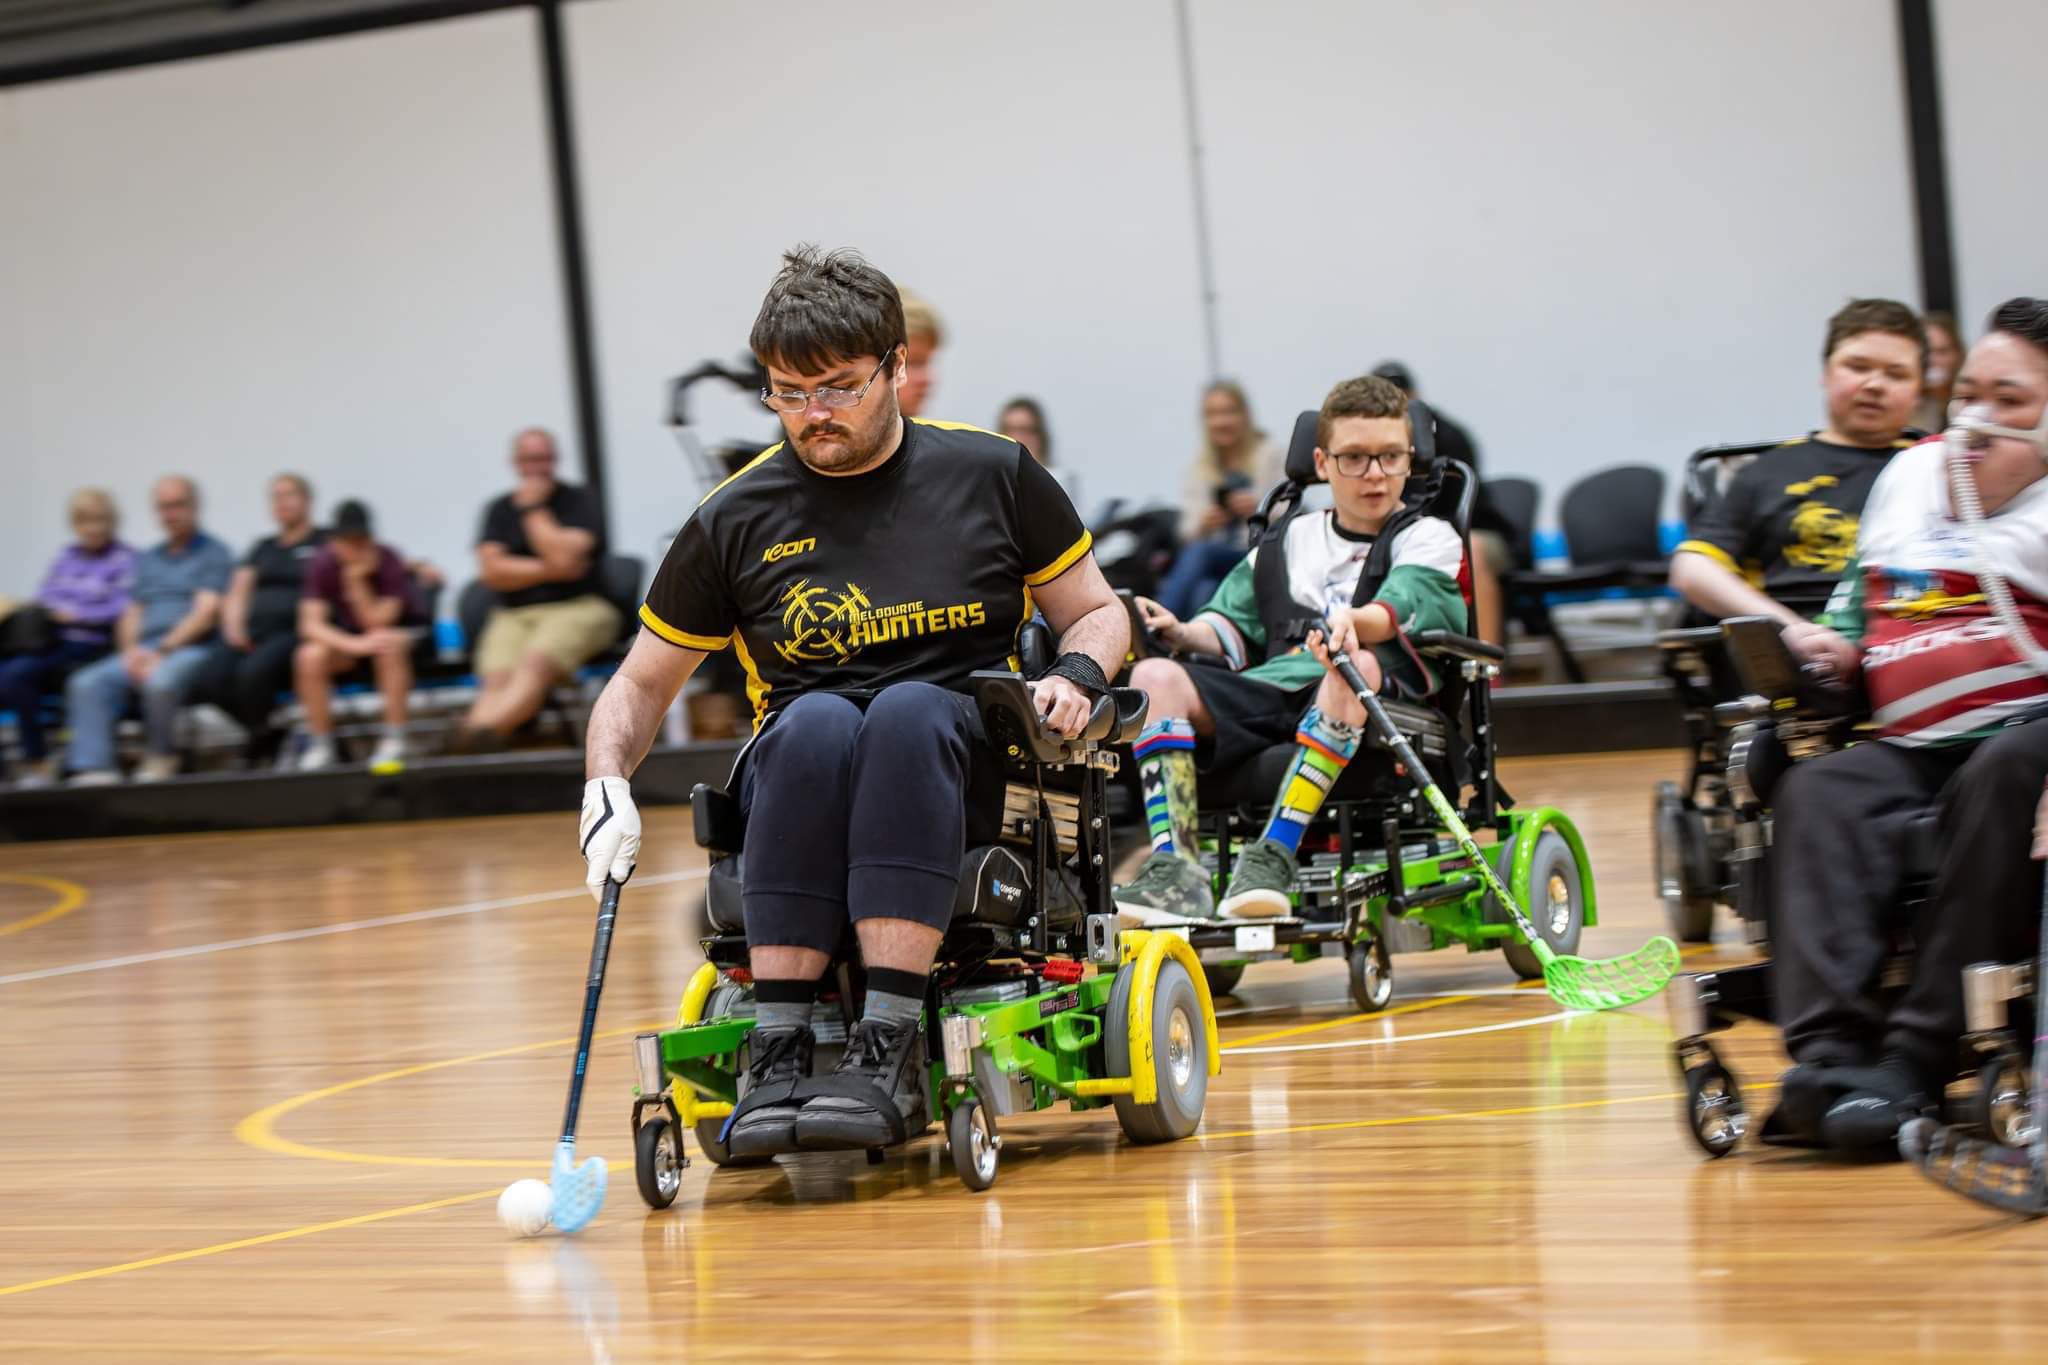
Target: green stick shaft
x,y
1438,802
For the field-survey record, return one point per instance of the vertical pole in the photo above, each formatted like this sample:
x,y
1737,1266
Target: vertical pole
x,y
1205,265
1930,165
569,241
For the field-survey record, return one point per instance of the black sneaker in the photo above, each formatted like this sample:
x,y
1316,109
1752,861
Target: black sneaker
x,y
763,1123
877,1096
1865,1120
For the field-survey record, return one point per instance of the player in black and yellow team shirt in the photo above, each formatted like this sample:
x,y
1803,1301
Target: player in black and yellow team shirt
x,y
861,570
1777,539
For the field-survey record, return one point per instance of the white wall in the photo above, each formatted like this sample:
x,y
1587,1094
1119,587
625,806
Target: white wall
x,y
1020,165
1600,232
334,257
1990,87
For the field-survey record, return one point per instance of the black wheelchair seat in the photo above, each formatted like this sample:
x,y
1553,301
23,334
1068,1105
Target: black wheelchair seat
x,y
995,889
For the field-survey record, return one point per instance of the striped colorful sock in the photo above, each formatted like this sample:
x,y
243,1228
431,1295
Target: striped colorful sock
x,y
1166,772
1326,746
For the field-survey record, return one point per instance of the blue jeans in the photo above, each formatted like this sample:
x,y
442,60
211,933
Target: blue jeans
x,y
97,695
1198,570
23,680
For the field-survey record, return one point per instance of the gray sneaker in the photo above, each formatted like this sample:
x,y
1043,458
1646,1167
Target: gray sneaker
x,y
1167,890
1259,882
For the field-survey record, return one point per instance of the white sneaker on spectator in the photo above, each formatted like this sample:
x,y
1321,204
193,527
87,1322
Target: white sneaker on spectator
x,y
156,767
389,755
318,754
36,775
96,777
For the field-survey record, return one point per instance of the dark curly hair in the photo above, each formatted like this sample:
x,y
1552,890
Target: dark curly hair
x,y
826,308
2026,319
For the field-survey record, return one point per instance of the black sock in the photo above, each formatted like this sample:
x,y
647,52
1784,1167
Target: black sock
x,y
783,1003
895,996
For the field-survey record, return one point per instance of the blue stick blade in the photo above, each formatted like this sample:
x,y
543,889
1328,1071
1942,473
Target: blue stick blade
x,y
578,1189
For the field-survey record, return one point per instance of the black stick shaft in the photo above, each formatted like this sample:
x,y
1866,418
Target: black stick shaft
x,y
600,950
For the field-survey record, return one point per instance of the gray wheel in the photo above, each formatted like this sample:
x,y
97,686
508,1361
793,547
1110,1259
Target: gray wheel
x,y
2002,1107
1372,975
1557,902
1180,1050
976,1148
1714,1112
658,1161
1223,977
1679,858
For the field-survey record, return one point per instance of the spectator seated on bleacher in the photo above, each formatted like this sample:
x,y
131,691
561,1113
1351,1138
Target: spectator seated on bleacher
x,y
161,640
541,551
70,624
350,621
1782,530
259,620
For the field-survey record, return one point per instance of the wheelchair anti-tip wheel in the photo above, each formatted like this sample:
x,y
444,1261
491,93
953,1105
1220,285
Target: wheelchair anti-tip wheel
x,y
1179,1050
1372,975
976,1148
1223,977
658,1161
1680,861
1557,902
1714,1112
2002,1107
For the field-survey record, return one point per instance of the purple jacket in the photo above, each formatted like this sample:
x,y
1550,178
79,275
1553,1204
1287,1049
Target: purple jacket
x,y
92,588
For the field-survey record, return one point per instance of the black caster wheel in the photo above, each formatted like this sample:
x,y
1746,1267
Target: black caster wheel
x,y
658,1161
1714,1112
1223,977
976,1148
2002,1104
1557,903
1372,976
1679,838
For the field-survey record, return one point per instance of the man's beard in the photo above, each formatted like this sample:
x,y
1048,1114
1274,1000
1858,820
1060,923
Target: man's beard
x,y
853,447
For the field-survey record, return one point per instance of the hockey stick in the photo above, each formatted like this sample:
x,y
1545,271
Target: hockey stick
x,y
1575,982
579,1190
2009,1178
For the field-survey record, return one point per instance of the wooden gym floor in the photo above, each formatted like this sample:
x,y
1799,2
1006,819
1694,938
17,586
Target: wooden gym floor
x,y
261,1090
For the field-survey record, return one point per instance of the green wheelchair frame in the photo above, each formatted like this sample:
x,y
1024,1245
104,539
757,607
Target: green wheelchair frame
x,y
1381,876
1092,1017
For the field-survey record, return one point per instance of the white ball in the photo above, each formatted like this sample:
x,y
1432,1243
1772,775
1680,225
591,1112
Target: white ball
x,y
525,1207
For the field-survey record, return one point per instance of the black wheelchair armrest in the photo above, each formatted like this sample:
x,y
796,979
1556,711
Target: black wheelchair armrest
x,y
1450,644
718,823
1014,728
1689,637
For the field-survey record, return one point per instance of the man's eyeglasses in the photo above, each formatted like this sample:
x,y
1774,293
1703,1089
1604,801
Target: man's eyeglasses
x,y
1393,463
795,400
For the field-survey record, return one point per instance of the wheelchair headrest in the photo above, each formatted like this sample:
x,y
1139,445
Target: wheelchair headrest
x,y
1301,448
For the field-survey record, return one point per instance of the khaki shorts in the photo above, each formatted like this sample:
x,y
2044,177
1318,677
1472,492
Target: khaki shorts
x,y
570,633
1493,548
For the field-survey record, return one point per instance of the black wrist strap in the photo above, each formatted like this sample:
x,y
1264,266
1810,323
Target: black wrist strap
x,y
1082,671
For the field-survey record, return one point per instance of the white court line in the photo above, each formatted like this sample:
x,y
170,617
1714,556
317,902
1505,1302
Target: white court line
x,y
323,930
1405,1037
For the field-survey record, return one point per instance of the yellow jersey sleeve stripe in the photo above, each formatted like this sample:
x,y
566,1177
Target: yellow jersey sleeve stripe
x,y
1711,551
746,468
962,426
1065,562
707,643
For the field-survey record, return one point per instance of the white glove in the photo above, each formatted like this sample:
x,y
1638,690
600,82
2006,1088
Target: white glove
x,y
609,832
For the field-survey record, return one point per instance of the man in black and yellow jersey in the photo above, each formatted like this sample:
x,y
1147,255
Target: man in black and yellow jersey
x,y
1777,539
861,570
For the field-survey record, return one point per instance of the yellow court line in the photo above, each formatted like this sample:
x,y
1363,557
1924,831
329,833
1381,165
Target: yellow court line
x,y
70,895
287,1235
1408,1119
259,1129
1300,1029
